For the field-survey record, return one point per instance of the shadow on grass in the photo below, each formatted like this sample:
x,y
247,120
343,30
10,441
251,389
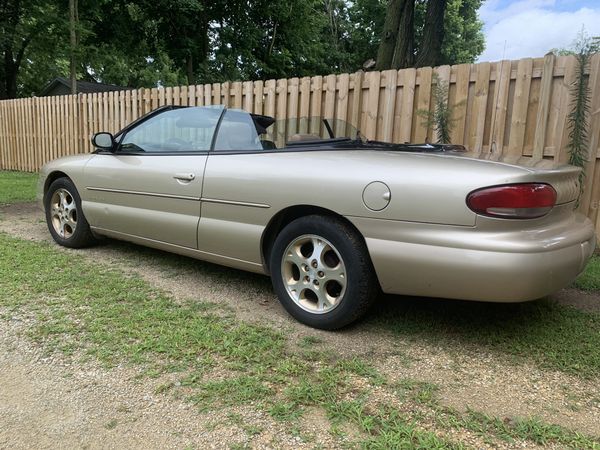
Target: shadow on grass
x,y
543,332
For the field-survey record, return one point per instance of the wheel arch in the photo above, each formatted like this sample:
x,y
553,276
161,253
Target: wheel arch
x,y
52,177
287,215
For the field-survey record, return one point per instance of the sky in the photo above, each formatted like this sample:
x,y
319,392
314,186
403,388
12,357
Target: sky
x,y
517,29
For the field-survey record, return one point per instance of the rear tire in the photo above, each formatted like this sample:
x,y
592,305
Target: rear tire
x,y
64,216
322,273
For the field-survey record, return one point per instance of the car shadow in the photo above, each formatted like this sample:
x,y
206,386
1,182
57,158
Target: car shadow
x,y
552,334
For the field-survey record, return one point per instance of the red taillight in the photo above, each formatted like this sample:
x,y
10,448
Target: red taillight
x,y
513,201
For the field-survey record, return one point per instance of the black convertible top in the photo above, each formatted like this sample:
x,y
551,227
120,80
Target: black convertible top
x,y
262,122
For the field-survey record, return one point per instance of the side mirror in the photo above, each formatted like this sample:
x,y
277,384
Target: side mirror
x,y
103,141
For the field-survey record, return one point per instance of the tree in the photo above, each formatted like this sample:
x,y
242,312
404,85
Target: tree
x,y
389,35
404,53
430,51
22,24
463,35
460,32
73,25
135,43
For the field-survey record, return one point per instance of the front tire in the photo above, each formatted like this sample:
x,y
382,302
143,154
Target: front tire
x,y
64,217
322,273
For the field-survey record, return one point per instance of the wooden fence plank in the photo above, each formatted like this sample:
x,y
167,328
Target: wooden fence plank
x,y
207,95
459,116
519,112
330,85
564,104
258,97
476,127
176,96
374,79
341,107
183,92
304,105
443,76
269,107
199,95
292,110
315,105
217,95
248,95
38,148
403,127
4,146
281,112
225,94
236,91
62,126
425,77
544,107
191,100
500,108
390,83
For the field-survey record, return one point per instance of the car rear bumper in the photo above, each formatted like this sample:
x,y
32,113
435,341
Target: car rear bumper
x,y
471,264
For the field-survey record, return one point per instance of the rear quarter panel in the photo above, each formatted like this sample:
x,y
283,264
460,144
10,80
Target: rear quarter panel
x,y
424,188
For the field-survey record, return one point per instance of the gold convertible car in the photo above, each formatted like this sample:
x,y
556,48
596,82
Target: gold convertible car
x,y
332,217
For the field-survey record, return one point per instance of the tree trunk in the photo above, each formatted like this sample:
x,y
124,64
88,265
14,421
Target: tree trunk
x,y
73,26
190,69
11,16
387,45
11,70
430,53
404,54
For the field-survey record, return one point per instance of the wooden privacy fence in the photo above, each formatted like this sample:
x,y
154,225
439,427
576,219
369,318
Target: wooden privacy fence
x,y
508,109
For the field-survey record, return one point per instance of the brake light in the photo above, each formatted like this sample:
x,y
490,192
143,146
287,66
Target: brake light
x,y
513,201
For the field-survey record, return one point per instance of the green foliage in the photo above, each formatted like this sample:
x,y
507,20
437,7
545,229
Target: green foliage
x,y
440,119
463,43
463,32
577,119
137,44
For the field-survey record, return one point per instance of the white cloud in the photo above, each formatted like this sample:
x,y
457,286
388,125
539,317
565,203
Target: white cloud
x,y
531,28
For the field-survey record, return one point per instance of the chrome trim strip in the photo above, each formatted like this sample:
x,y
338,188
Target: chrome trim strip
x,y
151,194
233,202
180,197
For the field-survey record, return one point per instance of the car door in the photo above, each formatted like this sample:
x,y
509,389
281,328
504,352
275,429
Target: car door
x,y
232,217
151,185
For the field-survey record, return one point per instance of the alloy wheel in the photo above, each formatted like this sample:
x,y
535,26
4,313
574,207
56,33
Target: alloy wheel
x,y
63,213
314,274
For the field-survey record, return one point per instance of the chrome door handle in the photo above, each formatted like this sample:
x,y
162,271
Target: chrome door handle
x,y
184,176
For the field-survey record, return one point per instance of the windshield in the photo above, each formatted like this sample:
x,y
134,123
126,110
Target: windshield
x,y
192,129
178,129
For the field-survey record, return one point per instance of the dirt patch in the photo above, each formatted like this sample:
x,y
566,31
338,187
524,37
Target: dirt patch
x,y
480,381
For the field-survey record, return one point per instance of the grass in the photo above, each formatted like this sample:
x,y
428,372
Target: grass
x,y
589,280
17,187
83,309
543,332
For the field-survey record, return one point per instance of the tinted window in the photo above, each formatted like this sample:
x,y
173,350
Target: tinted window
x,y
178,130
237,132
